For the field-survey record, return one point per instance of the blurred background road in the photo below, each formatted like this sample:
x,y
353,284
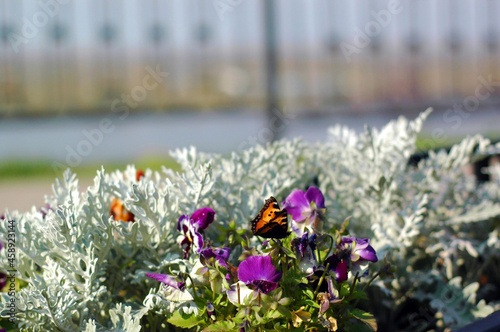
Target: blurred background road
x,y
112,82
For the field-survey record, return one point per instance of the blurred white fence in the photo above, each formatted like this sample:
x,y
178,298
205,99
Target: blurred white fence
x,y
63,56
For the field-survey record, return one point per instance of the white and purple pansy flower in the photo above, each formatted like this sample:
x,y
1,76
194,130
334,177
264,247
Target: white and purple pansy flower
x,y
305,247
191,226
209,255
357,251
306,208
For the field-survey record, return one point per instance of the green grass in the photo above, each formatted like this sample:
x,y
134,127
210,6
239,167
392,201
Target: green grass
x,y
428,142
17,170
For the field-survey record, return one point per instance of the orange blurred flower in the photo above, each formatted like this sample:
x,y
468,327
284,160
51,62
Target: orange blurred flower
x,y
119,212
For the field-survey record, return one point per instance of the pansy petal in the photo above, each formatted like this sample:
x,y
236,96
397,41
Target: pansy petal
x,y
338,266
312,241
240,294
324,305
341,271
265,286
167,280
303,242
298,228
258,268
3,280
313,194
296,204
362,243
220,254
197,241
346,240
368,254
202,218
182,221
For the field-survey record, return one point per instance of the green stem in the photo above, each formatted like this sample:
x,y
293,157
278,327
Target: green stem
x,y
364,287
332,241
354,283
214,284
194,288
153,324
282,256
371,280
321,280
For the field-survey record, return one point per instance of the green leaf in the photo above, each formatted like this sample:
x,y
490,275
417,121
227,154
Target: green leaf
x,y
345,289
357,294
285,311
288,252
220,326
183,320
273,314
309,293
311,303
365,317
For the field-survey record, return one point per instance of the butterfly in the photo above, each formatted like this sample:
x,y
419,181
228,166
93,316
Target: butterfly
x,y
271,222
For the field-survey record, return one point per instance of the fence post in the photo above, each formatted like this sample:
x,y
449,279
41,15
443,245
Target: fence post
x,y
271,67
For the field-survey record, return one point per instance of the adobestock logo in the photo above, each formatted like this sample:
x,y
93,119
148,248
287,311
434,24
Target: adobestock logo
x,y
462,111
31,27
222,7
94,137
471,103
362,38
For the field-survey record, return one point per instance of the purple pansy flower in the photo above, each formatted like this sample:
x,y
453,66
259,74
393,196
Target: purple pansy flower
x,y
219,254
3,276
202,218
306,209
260,272
337,266
167,280
301,244
191,228
305,247
3,280
357,251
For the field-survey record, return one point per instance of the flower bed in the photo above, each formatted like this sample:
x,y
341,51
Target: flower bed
x,y
366,240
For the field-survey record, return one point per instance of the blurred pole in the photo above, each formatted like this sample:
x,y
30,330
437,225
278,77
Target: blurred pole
x,y
414,48
455,48
58,35
492,38
271,67
6,30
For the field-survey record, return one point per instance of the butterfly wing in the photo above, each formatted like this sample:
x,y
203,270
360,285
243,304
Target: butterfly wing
x,y
271,222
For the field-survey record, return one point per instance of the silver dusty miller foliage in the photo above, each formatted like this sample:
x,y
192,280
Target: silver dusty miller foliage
x,y
85,272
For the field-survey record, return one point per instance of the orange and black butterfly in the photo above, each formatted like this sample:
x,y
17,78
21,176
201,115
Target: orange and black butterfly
x,y
271,222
